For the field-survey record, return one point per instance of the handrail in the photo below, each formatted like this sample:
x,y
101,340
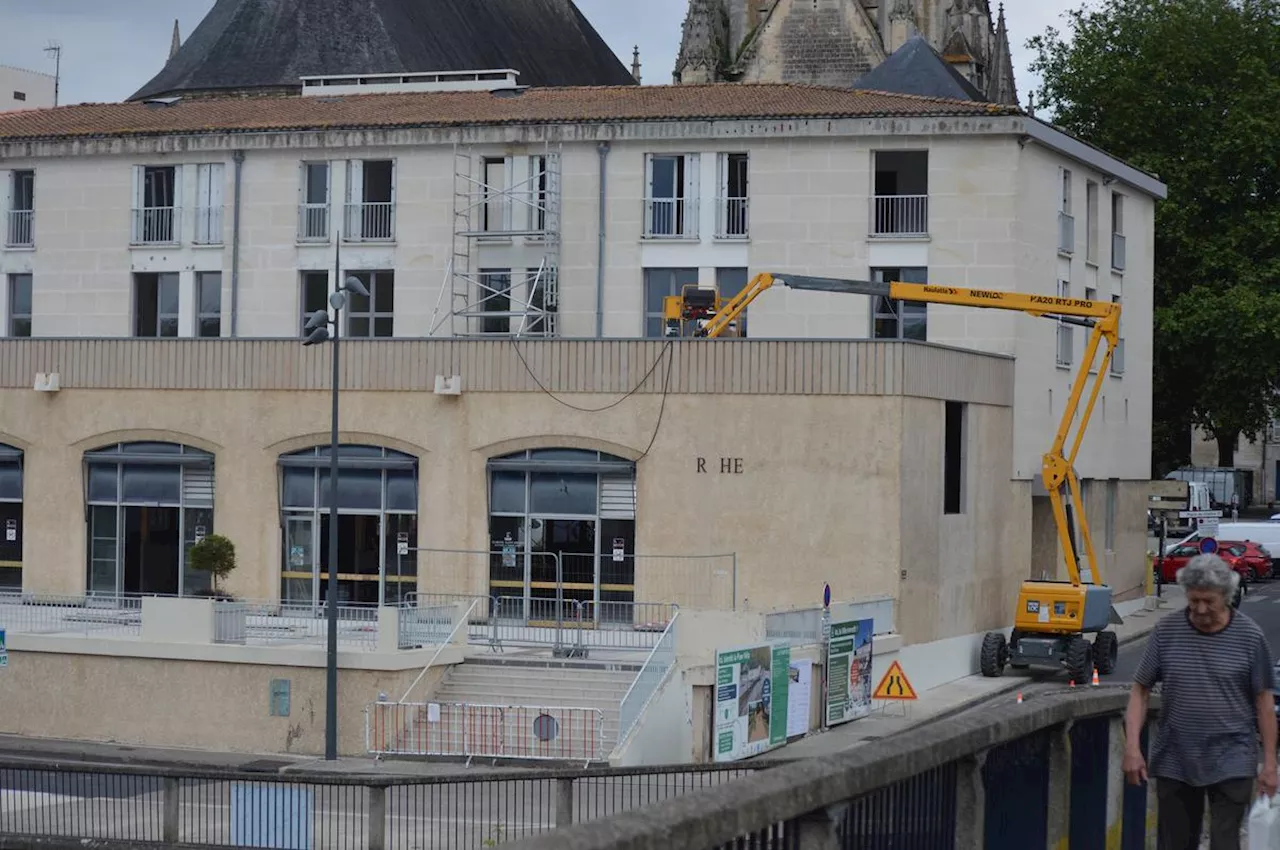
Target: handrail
x,y
464,620
625,734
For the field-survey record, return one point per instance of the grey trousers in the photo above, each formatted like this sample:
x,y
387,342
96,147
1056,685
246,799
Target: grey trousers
x,y
1181,813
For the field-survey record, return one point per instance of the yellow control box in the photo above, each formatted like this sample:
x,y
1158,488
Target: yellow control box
x,y
1051,606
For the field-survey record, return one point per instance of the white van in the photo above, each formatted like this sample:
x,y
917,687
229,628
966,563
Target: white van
x,y
1265,534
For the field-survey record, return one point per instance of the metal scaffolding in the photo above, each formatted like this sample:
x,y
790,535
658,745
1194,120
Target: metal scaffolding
x,y
503,275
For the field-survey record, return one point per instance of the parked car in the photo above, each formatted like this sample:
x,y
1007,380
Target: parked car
x,y
1248,559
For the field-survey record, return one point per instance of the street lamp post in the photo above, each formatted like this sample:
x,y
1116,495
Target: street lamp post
x,y
318,325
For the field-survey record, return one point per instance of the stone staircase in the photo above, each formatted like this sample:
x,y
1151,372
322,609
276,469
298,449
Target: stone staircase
x,y
542,682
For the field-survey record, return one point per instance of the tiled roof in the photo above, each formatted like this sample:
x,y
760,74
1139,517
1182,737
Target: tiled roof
x,y
435,109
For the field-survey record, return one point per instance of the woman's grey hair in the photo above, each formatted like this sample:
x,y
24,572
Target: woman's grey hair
x,y
1209,572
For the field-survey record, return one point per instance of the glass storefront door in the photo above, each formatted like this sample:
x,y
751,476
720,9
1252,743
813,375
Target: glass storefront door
x,y
300,561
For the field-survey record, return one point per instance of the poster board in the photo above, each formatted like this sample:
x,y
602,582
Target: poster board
x,y
799,687
752,698
849,671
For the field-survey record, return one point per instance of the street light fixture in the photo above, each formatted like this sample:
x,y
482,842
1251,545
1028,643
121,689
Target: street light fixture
x,y
318,325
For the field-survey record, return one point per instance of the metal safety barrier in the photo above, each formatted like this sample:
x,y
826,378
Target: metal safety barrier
x,y
485,731
50,614
122,806
646,683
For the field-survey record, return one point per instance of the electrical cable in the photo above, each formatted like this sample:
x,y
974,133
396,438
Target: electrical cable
x,y
612,404
667,351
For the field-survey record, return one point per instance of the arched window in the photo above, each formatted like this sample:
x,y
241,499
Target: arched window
x,y
147,504
574,503
10,518
377,524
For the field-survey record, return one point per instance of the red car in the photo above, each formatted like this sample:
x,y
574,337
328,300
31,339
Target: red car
x,y
1244,556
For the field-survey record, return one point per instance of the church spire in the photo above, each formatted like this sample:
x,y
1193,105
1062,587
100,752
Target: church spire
x,y
1001,86
701,43
176,41
635,63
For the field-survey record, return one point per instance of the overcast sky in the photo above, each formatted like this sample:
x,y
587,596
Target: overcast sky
x,y
111,47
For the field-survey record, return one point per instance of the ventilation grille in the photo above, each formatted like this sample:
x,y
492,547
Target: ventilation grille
x,y
617,496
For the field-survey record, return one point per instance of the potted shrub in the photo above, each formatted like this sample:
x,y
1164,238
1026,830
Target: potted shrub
x,y
215,555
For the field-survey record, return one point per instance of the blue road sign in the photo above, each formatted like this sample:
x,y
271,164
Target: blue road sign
x,y
826,596
1208,546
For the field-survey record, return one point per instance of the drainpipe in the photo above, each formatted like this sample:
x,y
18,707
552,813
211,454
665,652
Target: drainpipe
x,y
603,148
238,157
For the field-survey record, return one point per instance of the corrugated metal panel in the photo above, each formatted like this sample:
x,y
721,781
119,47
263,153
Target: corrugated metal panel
x,y
793,367
197,486
618,496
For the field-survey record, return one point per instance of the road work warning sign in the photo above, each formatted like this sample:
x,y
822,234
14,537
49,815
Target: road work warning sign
x,y
894,685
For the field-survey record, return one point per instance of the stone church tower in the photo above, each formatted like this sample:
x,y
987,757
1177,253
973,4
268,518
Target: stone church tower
x,y
835,42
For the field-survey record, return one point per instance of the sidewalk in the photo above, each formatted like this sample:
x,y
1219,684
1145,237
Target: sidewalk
x,y
954,697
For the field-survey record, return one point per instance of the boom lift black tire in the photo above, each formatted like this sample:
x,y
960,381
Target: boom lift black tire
x,y
1106,647
1079,659
995,654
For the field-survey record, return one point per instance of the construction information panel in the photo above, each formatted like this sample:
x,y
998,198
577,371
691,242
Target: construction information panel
x,y
849,671
752,686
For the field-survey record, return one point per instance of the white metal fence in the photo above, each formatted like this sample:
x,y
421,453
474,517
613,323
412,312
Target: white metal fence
x,y
313,222
50,614
155,225
900,215
370,221
732,218
20,232
561,733
671,218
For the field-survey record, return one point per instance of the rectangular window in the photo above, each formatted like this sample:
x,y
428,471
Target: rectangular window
x,y
20,230
1066,221
313,211
953,473
496,209
20,305
209,304
671,198
658,284
1117,358
901,203
731,207
156,204
371,200
495,297
1066,332
209,203
1091,223
19,95
155,304
730,282
1117,231
1113,488
315,296
372,316
899,319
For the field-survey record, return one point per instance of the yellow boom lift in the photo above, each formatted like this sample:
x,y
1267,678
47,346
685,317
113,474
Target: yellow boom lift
x,y
1052,617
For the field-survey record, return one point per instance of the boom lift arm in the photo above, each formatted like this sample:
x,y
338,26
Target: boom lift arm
x,y
1058,468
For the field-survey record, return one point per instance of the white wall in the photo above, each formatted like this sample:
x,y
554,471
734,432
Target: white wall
x,y
993,223
38,88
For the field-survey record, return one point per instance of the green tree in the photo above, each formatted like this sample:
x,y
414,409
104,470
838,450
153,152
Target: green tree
x,y
1187,89
215,555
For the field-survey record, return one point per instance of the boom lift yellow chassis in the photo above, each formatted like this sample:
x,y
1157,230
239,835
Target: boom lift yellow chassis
x,y
1052,617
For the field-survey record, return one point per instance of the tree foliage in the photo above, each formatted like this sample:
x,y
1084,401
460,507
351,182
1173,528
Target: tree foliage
x,y
215,555
1188,90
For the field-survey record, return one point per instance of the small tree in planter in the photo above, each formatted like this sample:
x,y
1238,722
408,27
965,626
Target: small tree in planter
x,y
215,555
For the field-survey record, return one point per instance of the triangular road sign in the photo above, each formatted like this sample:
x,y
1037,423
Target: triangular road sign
x,y
894,685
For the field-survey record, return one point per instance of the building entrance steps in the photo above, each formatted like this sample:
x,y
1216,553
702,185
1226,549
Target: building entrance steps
x,y
542,682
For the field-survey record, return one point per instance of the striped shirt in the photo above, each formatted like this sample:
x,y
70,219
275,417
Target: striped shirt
x,y
1208,725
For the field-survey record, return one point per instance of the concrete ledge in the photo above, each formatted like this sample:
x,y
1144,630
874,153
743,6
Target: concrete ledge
x,y
286,656
718,815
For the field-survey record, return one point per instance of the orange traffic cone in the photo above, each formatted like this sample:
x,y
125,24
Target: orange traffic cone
x,y
1019,697
1095,677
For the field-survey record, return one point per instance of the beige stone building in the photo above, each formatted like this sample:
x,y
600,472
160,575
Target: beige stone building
x,y
498,380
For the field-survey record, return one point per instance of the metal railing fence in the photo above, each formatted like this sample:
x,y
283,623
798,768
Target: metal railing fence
x,y
558,733
803,626
900,215
661,659
1036,772
48,614
118,806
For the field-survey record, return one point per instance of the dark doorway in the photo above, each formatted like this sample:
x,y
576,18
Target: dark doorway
x,y
151,546
358,558
10,545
